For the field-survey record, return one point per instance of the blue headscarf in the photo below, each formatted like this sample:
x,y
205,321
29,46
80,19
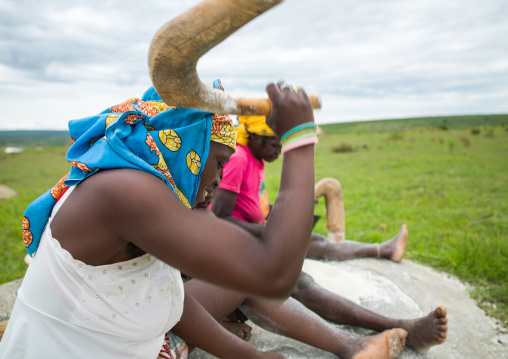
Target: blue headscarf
x,y
146,134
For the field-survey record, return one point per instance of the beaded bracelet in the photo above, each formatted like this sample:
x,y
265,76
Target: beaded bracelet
x,y
302,135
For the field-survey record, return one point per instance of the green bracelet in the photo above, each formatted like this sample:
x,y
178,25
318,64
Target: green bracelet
x,y
298,133
306,125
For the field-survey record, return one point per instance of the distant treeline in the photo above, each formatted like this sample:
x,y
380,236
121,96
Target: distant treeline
x,y
438,123
34,138
60,138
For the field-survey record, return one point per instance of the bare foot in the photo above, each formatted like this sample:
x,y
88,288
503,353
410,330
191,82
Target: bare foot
x,y
386,345
427,331
394,248
241,330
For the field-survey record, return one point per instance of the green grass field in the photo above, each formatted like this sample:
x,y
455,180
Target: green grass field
x,y
449,185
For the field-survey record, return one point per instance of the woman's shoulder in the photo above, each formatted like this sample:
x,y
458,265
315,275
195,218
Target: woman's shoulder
x,y
241,155
118,178
117,188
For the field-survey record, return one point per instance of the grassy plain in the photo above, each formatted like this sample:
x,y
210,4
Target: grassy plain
x,y
449,185
30,174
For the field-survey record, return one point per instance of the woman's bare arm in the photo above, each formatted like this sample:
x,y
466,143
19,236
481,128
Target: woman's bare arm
x,y
222,253
153,218
114,207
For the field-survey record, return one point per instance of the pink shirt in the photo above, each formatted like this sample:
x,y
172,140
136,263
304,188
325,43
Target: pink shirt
x,y
244,175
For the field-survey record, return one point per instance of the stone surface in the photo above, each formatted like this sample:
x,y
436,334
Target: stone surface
x,y
405,290
8,294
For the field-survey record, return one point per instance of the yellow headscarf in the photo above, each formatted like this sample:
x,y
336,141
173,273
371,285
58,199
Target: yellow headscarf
x,y
252,124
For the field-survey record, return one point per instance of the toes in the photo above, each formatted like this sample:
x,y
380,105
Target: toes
x,y
440,311
442,321
401,333
443,328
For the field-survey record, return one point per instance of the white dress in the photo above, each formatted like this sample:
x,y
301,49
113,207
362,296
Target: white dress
x,y
68,309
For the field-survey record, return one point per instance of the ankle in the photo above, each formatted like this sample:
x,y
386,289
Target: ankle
x,y
350,346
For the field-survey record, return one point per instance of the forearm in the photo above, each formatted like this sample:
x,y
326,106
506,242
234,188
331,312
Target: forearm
x,y
288,228
199,329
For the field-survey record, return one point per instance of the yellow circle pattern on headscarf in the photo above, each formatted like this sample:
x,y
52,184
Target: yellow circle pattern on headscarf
x,y
193,162
252,124
170,139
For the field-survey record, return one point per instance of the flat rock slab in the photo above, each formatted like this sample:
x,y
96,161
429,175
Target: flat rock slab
x,y
6,192
8,294
404,290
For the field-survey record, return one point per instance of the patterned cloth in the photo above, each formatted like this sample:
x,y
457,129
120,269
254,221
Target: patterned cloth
x,y
174,347
169,142
251,124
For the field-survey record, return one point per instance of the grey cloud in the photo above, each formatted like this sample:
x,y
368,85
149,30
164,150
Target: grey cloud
x,y
37,36
413,53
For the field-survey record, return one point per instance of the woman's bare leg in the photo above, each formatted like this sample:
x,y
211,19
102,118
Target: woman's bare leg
x,y
392,249
199,329
292,319
423,332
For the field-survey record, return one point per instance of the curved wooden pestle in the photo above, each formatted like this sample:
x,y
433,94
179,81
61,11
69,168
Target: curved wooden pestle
x,y
3,326
178,45
335,217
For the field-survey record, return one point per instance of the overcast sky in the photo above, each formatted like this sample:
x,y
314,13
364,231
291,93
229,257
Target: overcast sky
x,y
369,59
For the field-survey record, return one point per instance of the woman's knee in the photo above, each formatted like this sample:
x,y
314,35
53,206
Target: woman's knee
x,y
318,238
318,246
305,281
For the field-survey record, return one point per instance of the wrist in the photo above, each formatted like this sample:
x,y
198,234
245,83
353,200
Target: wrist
x,y
303,126
301,135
